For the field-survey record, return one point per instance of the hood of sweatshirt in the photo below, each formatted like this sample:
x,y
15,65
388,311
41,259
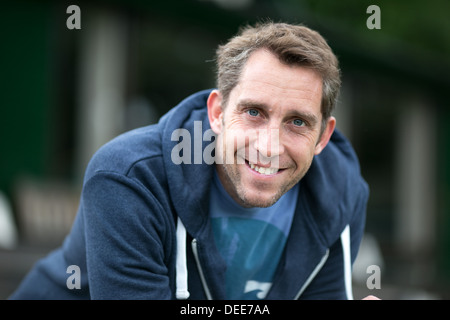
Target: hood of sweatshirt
x,y
329,185
183,127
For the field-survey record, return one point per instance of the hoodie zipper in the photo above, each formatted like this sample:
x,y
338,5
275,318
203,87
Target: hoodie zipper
x,y
206,288
200,269
313,274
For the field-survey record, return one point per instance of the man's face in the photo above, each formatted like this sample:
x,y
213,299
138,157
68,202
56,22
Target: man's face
x,y
269,131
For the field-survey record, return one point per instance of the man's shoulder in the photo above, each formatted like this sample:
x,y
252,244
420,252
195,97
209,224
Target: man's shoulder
x,y
122,153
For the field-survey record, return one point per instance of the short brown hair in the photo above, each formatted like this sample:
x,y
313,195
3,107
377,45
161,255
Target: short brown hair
x,y
292,44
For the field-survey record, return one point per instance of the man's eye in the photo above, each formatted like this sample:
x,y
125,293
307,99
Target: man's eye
x,y
253,112
298,122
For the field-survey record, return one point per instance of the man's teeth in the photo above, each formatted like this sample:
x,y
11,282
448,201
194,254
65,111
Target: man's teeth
x,y
266,171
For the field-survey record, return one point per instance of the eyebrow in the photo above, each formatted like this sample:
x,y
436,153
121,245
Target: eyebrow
x,y
293,112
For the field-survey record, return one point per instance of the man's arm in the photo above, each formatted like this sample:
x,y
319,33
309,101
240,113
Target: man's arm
x,y
128,243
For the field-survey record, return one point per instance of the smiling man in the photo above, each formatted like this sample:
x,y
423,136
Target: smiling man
x,y
279,214
276,100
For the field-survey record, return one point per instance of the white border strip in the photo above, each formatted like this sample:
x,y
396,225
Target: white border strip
x,y
182,292
346,252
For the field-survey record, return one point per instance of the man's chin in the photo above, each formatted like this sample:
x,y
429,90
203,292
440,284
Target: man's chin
x,y
258,201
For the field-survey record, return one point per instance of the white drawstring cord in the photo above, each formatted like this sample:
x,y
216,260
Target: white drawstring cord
x,y
182,292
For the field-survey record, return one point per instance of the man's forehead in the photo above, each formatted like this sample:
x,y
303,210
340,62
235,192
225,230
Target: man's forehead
x,y
265,95
265,74
263,62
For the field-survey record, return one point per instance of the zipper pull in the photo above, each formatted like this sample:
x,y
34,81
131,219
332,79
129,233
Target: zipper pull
x,y
195,245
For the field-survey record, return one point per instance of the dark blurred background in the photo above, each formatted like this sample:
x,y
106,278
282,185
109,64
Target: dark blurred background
x,y
65,92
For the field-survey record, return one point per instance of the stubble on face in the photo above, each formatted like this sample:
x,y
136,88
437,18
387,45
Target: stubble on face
x,y
232,182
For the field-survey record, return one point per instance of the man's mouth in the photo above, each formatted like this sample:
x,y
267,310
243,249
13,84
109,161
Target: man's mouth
x,y
262,170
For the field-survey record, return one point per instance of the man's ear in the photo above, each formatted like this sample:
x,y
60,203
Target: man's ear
x,y
326,135
215,112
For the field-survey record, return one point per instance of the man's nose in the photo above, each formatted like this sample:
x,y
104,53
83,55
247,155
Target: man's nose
x,y
268,143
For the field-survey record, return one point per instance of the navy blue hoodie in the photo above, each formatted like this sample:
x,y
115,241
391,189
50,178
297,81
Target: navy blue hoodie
x,y
143,231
